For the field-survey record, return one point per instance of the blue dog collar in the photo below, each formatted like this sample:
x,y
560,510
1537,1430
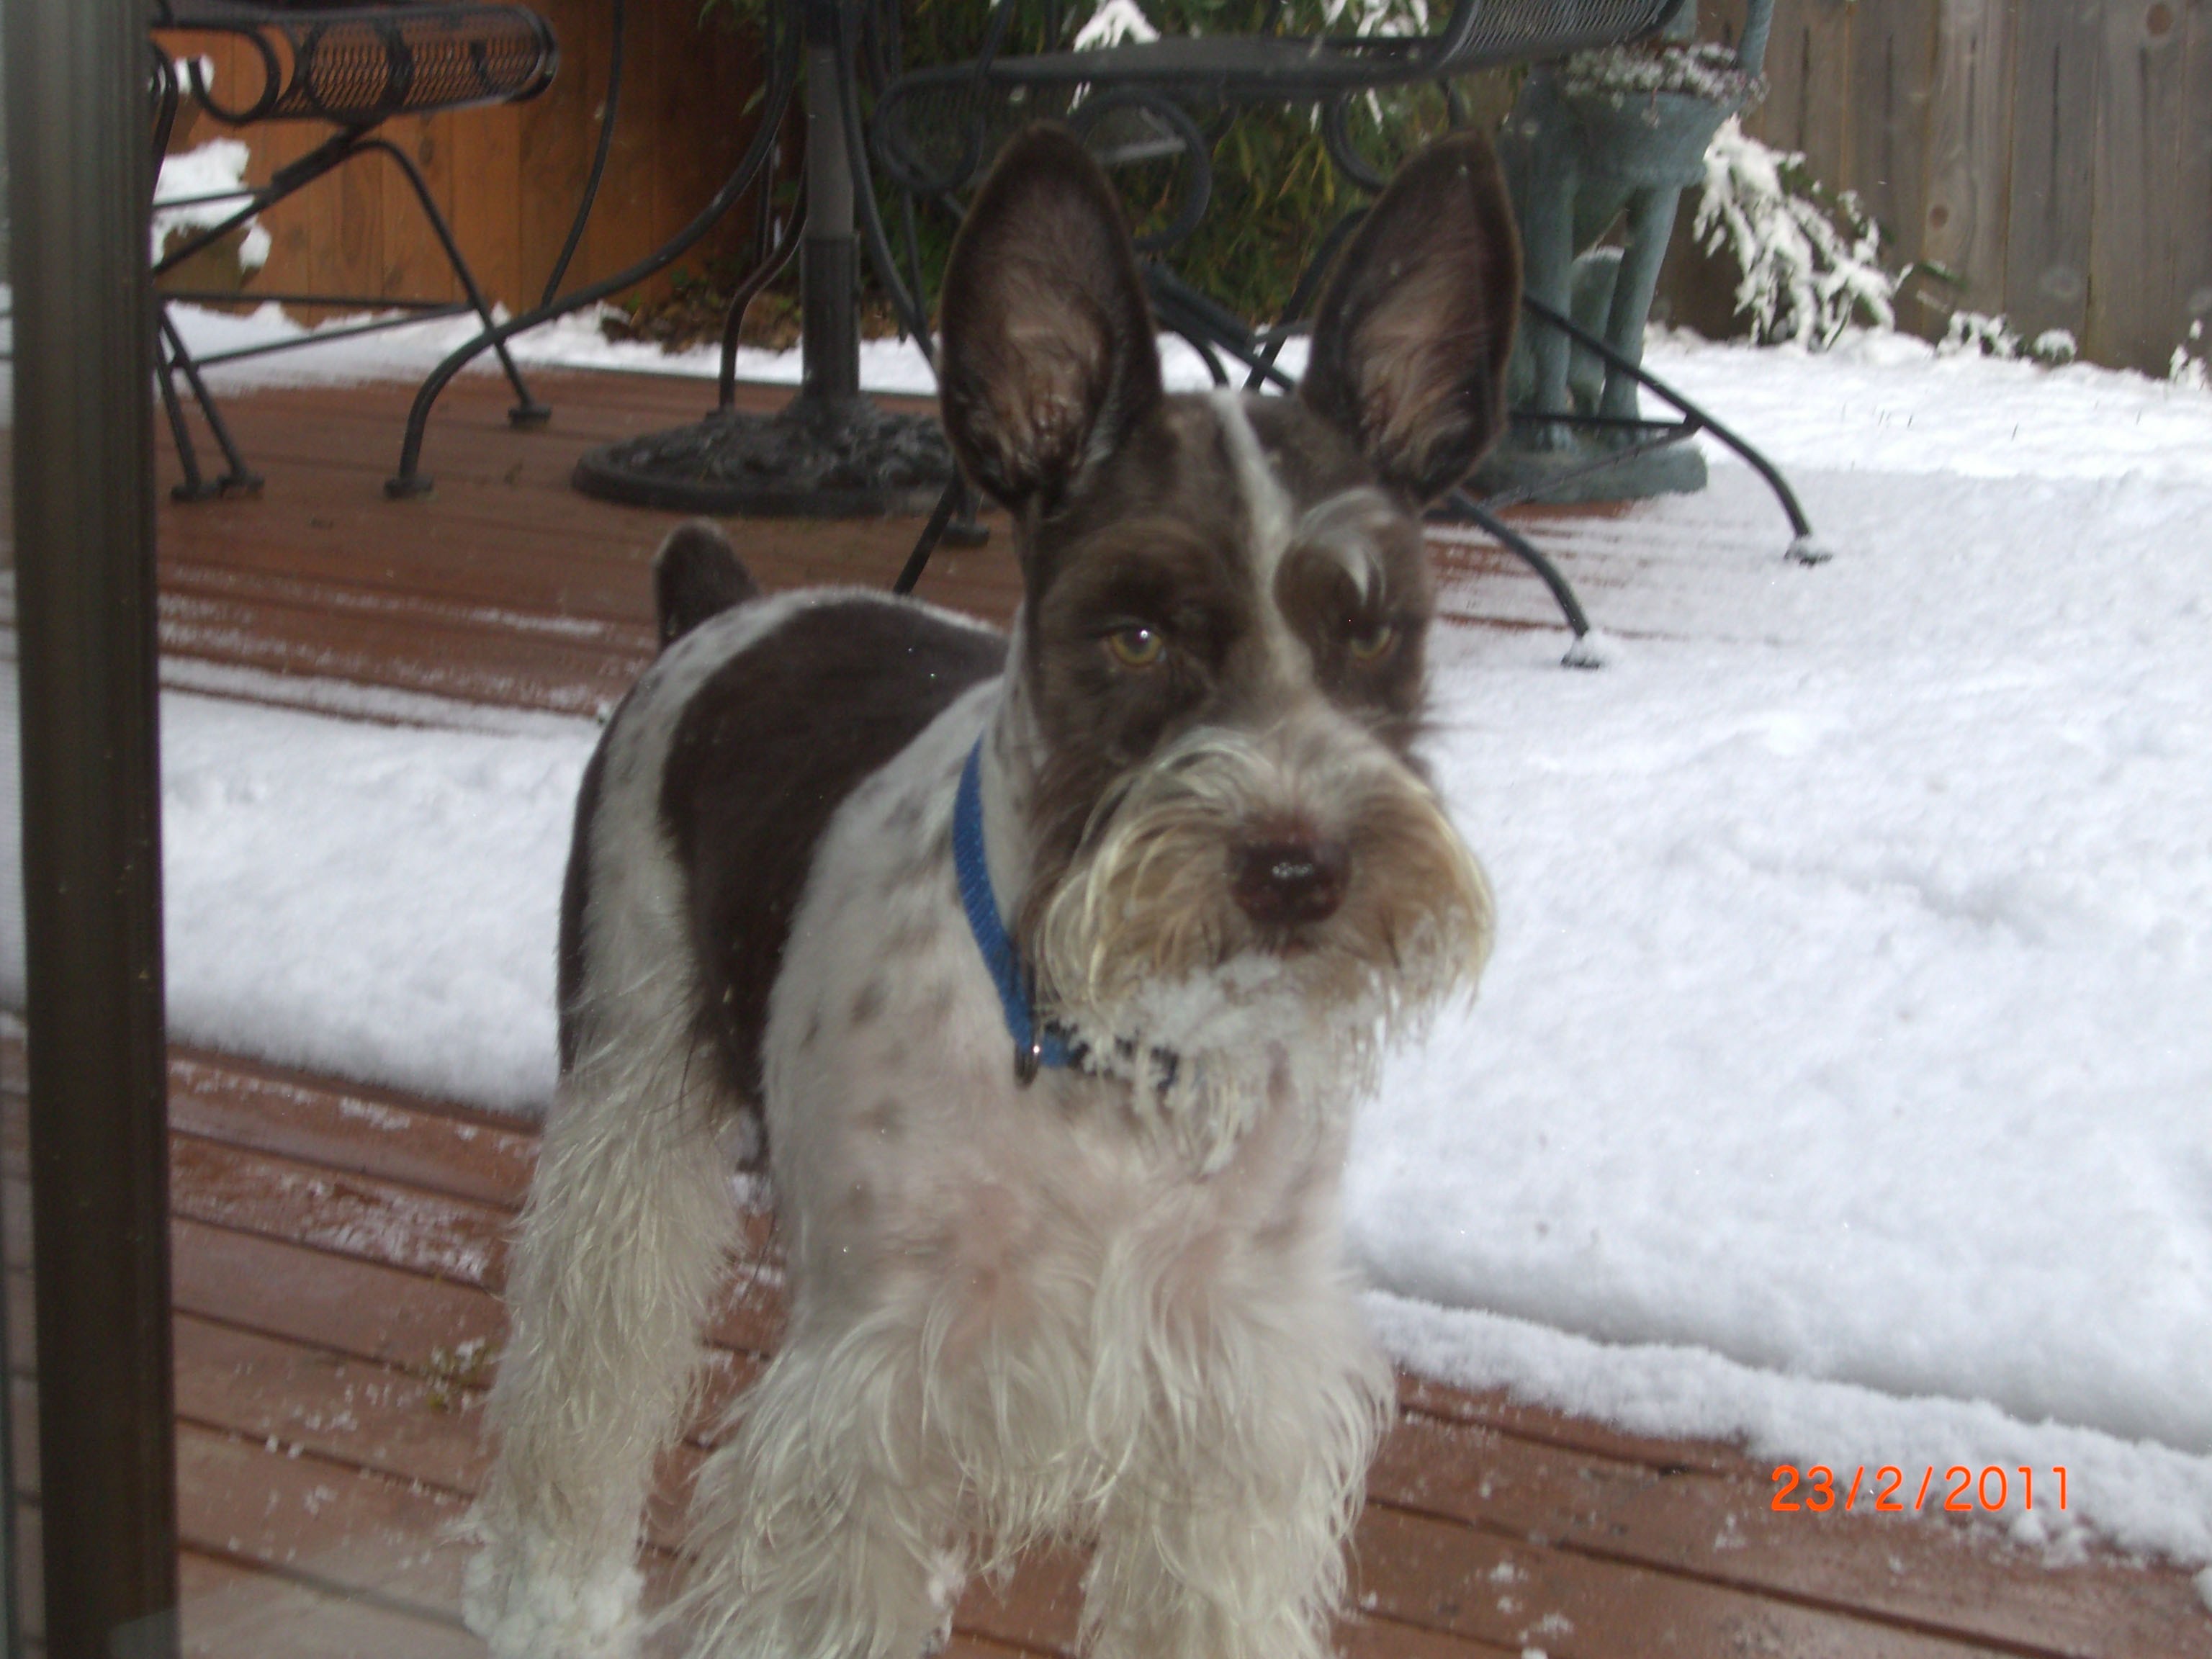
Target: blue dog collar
x,y
1034,1045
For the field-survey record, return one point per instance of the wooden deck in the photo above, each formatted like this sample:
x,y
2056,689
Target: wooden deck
x,y
338,1248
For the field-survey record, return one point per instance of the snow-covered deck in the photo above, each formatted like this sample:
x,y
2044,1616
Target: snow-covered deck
x,y
338,1246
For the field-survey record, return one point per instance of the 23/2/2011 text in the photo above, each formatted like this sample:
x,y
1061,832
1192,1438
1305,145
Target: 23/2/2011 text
x,y
1964,1491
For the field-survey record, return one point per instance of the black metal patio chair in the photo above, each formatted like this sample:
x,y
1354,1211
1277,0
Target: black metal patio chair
x,y
354,65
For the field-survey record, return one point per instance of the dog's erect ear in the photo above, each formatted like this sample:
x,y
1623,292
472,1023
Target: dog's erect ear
x,y
1048,357
1415,326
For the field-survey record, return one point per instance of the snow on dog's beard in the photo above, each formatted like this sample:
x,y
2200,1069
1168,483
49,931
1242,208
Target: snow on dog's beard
x,y
1142,952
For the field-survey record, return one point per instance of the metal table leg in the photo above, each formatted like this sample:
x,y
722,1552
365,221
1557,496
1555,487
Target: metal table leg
x,y
830,452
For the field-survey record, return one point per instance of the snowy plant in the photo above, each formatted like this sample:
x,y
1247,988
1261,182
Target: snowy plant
x,y
1990,335
1378,16
1115,21
1977,332
2186,368
2055,348
1810,261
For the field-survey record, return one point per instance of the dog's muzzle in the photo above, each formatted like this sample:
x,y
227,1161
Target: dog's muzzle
x,y
1310,841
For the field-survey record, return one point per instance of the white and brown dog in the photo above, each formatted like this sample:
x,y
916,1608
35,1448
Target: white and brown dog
x,y
1042,971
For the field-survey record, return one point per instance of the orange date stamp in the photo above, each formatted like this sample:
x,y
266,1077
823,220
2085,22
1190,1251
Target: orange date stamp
x,y
1986,1490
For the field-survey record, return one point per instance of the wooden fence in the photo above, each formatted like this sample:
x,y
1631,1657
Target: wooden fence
x,y
2055,154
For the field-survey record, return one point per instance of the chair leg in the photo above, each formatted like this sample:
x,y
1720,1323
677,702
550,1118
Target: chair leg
x,y
966,530
410,480
932,533
238,478
1563,593
1805,547
195,488
528,411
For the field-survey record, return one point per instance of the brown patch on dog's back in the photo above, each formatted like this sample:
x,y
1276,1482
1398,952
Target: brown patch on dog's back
x,y
761,757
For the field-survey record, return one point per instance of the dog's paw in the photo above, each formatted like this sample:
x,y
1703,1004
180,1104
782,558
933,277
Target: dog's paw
x,y
514,1599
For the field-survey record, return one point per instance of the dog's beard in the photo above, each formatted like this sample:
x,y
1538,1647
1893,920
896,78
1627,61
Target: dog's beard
x,y
1143,953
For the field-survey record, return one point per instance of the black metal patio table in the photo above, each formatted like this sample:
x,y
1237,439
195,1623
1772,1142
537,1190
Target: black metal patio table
x,y
830,450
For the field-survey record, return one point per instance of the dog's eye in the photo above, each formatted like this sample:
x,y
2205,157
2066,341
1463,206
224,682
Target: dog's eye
x,y
1372,643
1136,645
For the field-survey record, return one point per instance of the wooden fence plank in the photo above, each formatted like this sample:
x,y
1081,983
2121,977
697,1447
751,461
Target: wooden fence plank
x,y
520,168
486,211
1893,63
557,131
411,266
622,220
2191,301
1779,120
355,198
2054,128
1826,119
1969,144
292,254
2134,241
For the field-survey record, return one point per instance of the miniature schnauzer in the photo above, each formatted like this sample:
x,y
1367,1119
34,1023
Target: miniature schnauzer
x,y
1042,973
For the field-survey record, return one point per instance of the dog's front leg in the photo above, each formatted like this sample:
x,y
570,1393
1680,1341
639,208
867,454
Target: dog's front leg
x,y
825,1528
1225,1539
622,1246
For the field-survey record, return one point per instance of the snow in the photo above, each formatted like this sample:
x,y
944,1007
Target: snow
x,y
215,168
1840,1081
1847,1018
370,900
411,350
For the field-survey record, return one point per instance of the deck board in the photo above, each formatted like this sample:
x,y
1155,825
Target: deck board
x,y
338,1248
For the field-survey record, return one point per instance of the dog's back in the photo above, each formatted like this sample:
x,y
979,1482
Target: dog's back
x,y
766,714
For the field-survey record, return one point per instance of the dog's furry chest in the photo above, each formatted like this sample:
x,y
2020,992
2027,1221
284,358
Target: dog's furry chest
x,y
916,1171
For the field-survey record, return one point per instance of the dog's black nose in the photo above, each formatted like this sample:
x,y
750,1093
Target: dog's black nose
x,y
1284,884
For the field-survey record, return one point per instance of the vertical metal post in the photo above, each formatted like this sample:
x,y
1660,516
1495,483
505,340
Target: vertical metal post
x,y
81,180
829,339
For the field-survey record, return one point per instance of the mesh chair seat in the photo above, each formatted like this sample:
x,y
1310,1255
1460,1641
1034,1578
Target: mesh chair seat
x,y
359,66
